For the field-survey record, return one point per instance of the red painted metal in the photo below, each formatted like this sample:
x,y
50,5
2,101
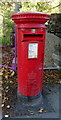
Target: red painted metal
x,y
31,33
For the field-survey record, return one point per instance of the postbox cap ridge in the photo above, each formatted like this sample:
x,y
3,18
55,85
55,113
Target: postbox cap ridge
x,y
30,17
31,13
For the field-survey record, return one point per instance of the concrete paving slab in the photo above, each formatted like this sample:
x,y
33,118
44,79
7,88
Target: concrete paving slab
x,y
53,105
53,97
52,93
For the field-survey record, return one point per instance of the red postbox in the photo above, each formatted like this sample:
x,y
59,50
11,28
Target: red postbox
x,y
31,33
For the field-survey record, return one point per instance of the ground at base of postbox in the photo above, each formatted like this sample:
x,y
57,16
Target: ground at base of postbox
x,y
9,87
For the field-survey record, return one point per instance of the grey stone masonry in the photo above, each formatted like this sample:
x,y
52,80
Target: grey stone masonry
x,y
52,50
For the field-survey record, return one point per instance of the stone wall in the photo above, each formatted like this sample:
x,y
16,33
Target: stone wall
x,y
52,56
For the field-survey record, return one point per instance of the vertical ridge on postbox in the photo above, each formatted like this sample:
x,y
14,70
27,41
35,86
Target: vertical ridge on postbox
x,y
31,33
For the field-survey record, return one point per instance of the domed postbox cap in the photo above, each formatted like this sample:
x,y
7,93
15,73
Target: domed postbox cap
x,y
30,16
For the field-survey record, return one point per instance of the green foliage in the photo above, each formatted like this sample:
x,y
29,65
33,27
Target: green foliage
x,y
9,8
39,6
58,71
6,10
44,7
28,6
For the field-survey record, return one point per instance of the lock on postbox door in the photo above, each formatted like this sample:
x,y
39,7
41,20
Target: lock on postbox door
x,y
31,33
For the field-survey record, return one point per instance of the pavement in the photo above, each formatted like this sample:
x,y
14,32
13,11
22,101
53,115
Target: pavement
x,y
52,98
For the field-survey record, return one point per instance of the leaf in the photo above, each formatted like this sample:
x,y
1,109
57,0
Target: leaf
x,y
5,98
0,82
1,73
2,70
41,110
0,94
6,76
60,82
12,74
2,105
8,106
6,91
7,87
6,115
11,82
11,70
1,89
30,111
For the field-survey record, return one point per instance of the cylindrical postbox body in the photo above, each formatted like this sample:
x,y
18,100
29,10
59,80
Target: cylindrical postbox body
x,y
31,33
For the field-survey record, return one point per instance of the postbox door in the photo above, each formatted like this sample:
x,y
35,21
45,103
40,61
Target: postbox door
x,y
30,65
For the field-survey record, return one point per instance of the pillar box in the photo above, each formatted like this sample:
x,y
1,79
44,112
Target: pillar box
x,y
31,34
